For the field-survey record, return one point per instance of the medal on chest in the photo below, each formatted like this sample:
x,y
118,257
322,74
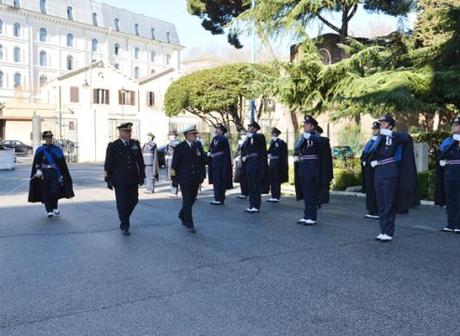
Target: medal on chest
x,y
388,141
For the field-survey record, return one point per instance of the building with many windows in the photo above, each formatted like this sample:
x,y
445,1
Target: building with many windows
x,y
46,46
42,39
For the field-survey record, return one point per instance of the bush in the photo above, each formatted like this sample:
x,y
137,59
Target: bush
x,y
427,182
347,164
344,178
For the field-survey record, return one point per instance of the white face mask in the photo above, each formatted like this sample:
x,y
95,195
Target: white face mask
x,y
386,132
456,137
307,135
249,135
274,138
375,137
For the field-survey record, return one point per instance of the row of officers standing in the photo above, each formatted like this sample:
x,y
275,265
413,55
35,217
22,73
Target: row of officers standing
x,y
388,162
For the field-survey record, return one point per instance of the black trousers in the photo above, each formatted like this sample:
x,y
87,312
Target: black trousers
x,y
386,191
275,179
253,184
371,199
243,183
452,188
218,184
127,198
189,190
310,196
51,188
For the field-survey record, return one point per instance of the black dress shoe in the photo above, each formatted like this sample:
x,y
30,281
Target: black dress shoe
x,y
125,232
191,230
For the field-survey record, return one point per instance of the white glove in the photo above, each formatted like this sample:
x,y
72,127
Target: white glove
x,y
374,163
306,135
386,132
243,158
209,154
296,158
456,137
364,163
39,173
442,163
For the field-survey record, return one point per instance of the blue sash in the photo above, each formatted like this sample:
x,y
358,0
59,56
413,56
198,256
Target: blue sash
x,y
51,160
446,143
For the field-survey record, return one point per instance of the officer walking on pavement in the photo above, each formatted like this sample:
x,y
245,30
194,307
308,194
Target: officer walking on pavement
x,y
313,171
278,165
395,181
50,177
125,171
152,167
448,178
220,165
254,155
368,174
188,171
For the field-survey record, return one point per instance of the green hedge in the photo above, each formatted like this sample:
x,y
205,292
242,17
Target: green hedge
x,y
344,178
426,183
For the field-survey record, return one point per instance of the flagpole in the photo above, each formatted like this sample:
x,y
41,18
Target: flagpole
x,y
253,58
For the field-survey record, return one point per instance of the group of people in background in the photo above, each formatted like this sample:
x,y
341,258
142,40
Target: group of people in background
x,y
388,164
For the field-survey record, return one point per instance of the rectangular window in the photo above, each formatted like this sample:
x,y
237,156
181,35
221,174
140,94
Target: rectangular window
x,y
74,94
101,96
126,97
150,98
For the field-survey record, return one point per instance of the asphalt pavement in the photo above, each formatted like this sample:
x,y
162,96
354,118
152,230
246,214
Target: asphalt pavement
x,y
241,274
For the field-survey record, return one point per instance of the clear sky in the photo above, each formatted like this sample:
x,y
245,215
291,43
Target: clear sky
x,y
192,35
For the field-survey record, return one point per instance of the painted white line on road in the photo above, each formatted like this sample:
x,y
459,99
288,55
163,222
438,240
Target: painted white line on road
x,y
423,227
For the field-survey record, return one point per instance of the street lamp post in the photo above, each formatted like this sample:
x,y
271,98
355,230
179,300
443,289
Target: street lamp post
x,y
253,59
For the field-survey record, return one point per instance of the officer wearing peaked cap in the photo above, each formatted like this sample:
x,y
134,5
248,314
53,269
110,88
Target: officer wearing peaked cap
x,y
254,155
448,178
313,170
125,171
188,172
395,177
220,165
368,174
278,167
50,177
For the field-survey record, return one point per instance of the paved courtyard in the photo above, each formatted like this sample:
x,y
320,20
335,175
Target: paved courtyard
x,y
241,274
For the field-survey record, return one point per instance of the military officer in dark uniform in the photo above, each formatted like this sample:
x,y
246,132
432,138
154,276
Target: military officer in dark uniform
x,y
368,174
239,167
50,177
448,178
254,154
188,171
395,180
278,167
313,170
220,165
125,171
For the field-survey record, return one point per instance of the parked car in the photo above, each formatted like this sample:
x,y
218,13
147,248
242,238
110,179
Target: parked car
x,y
342,153
18,146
